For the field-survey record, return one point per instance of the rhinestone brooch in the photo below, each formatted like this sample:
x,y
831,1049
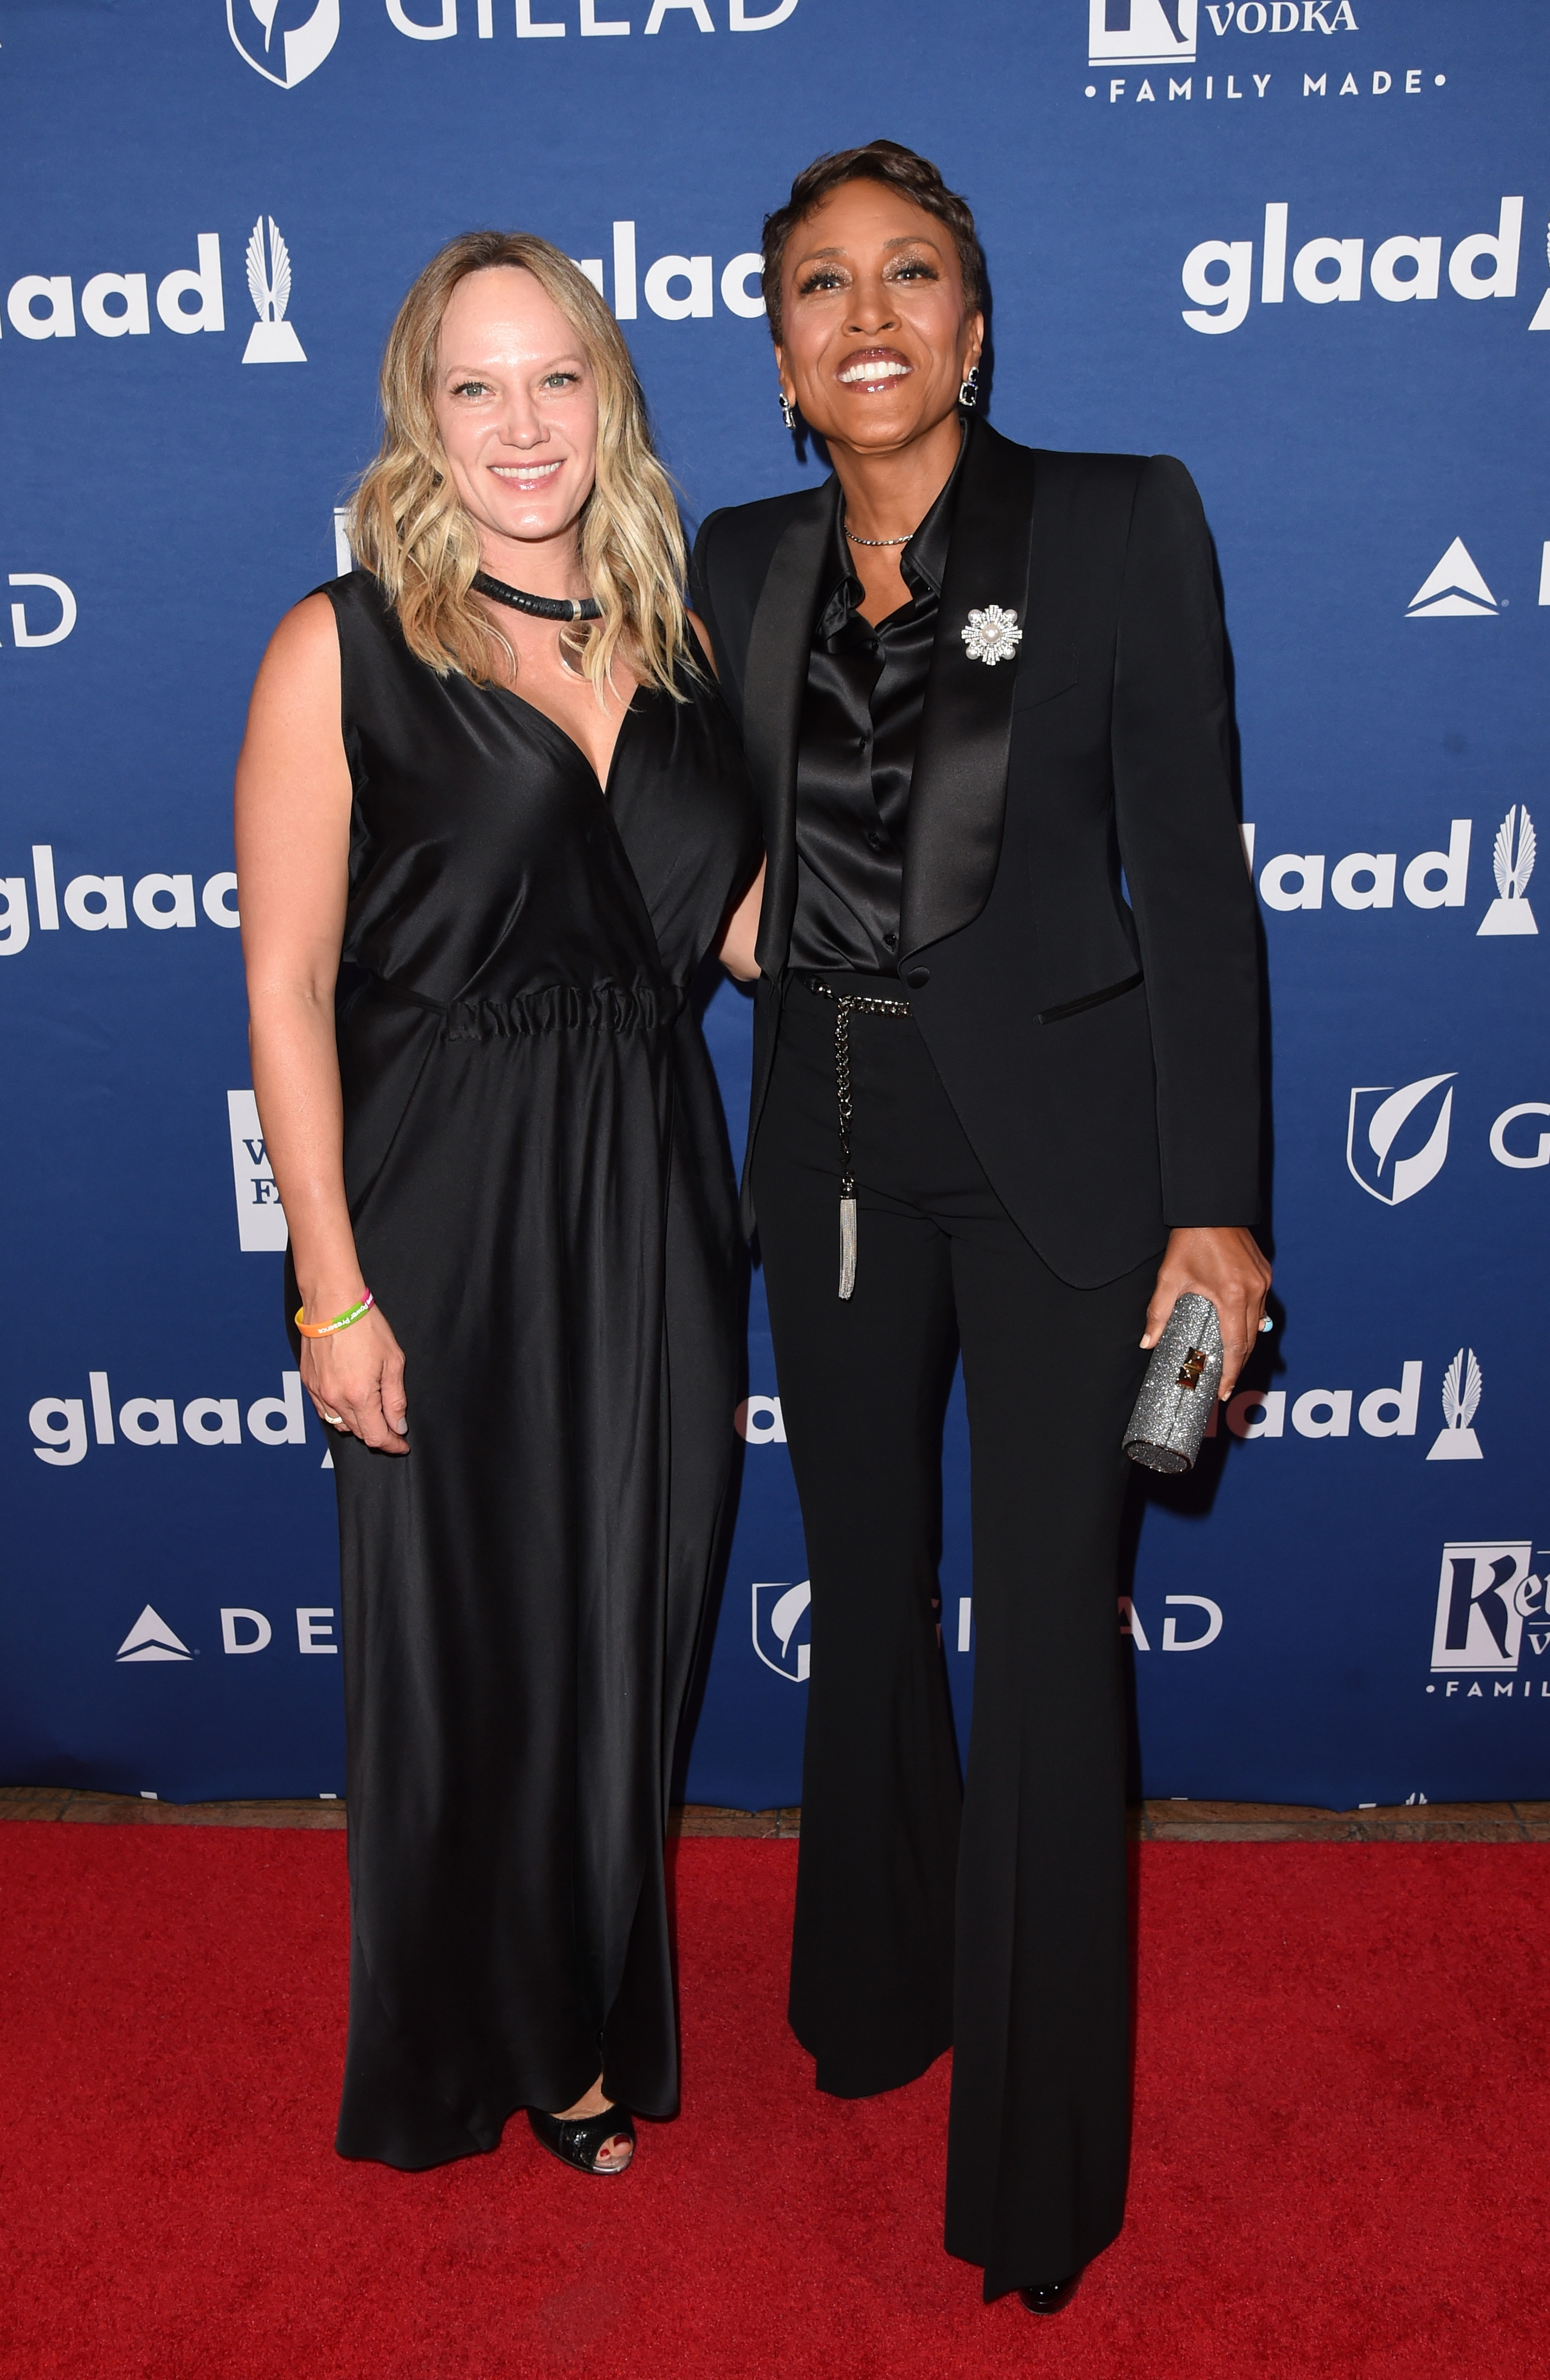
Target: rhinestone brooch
x,y
992,634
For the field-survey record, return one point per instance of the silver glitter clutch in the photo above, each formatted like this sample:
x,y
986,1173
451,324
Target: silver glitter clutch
x,y
1166,1427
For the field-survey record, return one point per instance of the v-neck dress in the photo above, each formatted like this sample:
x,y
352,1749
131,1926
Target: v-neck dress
x,y
542,1198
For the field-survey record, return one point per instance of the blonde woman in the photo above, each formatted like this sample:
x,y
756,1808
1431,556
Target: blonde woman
x,y
491,816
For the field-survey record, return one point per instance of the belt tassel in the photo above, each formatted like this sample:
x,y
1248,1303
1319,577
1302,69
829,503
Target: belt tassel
x,y
847,1004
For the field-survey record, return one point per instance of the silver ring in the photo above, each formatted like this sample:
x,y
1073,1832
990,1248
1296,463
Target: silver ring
x,y
1265,1324
335,1420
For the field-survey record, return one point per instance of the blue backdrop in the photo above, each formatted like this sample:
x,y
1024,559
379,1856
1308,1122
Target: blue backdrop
x,y
1299,243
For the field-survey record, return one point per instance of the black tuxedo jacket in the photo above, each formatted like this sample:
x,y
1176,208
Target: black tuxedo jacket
x,y
1101,1053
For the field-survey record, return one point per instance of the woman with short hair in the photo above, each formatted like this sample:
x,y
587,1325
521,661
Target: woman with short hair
x,y
1004,1098
491,817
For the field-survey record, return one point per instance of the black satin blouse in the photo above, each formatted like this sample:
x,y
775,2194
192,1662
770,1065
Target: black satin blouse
x,y
860,714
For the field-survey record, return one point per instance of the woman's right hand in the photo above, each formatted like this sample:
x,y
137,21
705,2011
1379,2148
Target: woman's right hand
x,y
355,1379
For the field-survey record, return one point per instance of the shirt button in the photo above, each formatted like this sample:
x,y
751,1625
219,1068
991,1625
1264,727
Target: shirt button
x,y
878,840
862,743
890,941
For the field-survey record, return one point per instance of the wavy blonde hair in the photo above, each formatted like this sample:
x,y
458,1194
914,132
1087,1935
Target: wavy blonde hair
x,y
410,526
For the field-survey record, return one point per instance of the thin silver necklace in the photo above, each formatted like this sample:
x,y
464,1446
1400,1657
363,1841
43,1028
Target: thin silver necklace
x,y
877,541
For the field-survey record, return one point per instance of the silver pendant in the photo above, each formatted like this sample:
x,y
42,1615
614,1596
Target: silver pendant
x,y
847,1246
991,636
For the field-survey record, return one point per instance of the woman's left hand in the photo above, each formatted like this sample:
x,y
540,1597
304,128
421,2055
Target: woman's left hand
x,y
1225,1264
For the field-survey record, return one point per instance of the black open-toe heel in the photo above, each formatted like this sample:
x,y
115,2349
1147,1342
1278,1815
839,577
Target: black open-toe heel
x,y
579,2140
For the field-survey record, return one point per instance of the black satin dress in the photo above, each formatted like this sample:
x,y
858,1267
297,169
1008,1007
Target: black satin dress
x,y
543,1199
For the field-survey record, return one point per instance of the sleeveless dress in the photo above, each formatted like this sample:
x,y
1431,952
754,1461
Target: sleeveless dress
x,y
538,1174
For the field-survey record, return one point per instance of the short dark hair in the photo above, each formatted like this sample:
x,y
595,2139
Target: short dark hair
x,y
880,160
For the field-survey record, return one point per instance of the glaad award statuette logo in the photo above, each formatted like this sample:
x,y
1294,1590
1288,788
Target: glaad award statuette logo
x,y
292,57
1513,860
272,340
1457,1442
1372,1132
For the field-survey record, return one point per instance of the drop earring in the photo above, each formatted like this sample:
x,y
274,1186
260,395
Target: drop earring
x,y
788,412
969,392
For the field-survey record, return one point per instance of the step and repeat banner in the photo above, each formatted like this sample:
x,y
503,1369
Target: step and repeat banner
x,y
1300,244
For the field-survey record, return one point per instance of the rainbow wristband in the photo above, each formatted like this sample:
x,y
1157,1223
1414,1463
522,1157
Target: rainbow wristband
x,y
340,1321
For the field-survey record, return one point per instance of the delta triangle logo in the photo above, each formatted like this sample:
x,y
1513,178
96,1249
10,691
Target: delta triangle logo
x,y
281,55
1454,591
151,1640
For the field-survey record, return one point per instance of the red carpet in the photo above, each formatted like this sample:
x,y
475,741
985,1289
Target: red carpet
x,y
1341,2158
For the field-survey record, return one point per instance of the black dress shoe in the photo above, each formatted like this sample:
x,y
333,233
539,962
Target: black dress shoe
x,y
1051,2298
579,2140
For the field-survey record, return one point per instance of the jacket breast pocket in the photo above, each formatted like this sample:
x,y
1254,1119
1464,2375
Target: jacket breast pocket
x,y
1041,678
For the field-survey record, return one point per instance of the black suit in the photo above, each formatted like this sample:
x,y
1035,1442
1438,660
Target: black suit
x,y
1078,1075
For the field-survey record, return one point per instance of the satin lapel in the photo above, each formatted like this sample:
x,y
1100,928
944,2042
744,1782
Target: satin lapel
x,y
958,795
773,684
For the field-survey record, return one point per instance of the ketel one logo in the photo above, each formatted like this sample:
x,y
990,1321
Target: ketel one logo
x,y
1382,1121
281,53
1142,33
261,1219
1513,863
780,1634
272,340
1485,1593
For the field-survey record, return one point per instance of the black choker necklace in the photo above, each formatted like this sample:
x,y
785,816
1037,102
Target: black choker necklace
x,y
543,607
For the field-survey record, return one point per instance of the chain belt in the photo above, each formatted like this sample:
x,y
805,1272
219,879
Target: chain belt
x,y
849,1004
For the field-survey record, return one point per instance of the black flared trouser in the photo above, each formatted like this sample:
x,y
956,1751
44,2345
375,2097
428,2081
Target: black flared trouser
x,y
993,1920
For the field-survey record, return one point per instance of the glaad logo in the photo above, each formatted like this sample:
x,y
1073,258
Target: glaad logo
x,y
1483,1597
1365,880
151,1640
1373,1133
96,904
272,340
1129,1625
1513,861
1456,1441
1220,306
759,1420
58,1424
297,53
1142,33
1454,591
778,1611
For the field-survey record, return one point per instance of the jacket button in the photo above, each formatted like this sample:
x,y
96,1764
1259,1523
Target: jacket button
x,y
917,978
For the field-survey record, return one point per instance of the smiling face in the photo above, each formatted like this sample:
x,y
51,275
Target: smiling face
x,y
876,335
516,404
